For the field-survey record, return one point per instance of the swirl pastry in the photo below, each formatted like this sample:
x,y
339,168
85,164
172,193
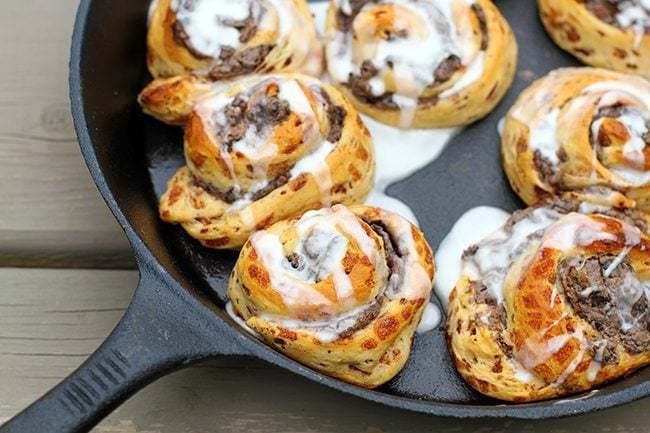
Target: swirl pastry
x,y
581,130
339,289
265,149
554,303
613,34
223,39
420,63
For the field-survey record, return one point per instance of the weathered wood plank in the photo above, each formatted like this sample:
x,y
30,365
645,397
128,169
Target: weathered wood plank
x,y
50,320
50,207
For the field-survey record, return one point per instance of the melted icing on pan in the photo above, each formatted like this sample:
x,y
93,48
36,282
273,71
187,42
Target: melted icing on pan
x,y
431,317
471,228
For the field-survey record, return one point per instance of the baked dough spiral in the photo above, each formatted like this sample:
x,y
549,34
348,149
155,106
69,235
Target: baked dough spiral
x,y
584,131
223,39
612,34
264,149
339,289
420,63
553,303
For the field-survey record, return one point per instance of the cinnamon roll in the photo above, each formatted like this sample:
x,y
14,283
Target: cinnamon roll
x,y
612,34
553,303
265,149
224,39
420,63
581,131
339,289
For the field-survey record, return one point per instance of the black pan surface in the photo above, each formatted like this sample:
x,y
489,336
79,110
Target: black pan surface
x,y
177,314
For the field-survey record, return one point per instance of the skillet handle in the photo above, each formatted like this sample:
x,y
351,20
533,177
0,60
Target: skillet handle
x,y
153,338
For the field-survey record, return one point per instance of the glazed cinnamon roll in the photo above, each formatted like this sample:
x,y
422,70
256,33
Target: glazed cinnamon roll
x,y
223,39
553,303
339,289
583,131
612,34
420,63
265,149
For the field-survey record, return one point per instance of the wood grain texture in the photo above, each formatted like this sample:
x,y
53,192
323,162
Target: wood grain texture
x,y
51,319
50,207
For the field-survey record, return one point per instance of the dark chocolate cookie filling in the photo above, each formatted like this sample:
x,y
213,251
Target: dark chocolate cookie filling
x,y
615,304
232,63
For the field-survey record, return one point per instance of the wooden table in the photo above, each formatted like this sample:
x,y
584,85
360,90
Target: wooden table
x,y
66,276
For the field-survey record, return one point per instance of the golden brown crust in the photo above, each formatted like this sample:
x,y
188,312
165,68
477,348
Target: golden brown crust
x,y
226,191
375,343
551,145
595,42
449,102
294,46
535,345
171,100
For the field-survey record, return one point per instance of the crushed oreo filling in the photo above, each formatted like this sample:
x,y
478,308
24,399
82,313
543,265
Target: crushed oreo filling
x,y
343,20
240,114
360,87
335,117
615,305
232,63
546,170
496,316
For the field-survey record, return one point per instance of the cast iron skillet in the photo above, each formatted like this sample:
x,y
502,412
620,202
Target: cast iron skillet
x,y
177,314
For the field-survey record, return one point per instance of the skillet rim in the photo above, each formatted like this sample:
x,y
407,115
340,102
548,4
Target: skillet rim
x,y
575,405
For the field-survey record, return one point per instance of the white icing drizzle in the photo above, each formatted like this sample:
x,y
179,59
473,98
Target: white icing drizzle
x,y
596,363
433,31
542,136
322,248
431,317
470,229
521,373
497,252
316,164
234,316
575,230
634,15
325,330
206,22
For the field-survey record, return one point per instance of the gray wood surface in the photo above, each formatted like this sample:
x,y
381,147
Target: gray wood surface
x,y
51,213
51,319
